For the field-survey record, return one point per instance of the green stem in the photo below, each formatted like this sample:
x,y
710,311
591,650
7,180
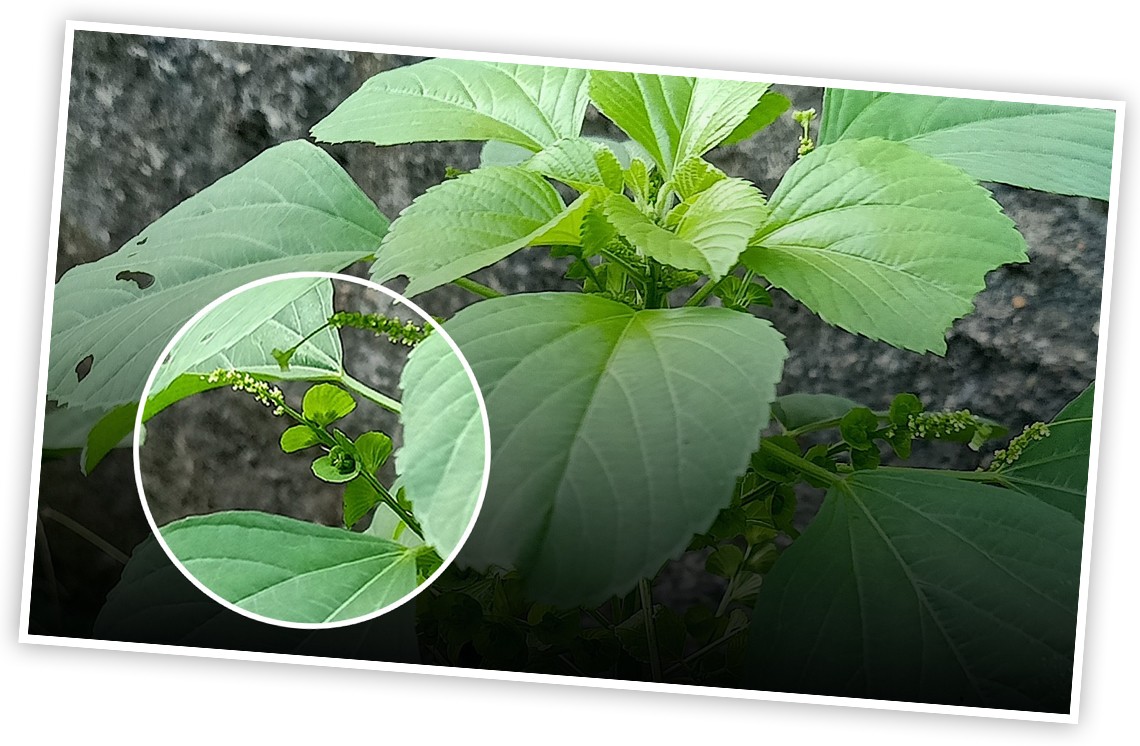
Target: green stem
x,y
987,477
477,287
728,590
812,427
600,619
738,299
408,519
704,292
370,394
798,462
646,594
705,650
322,435
590,271
652,286
293,350
633,272
82,531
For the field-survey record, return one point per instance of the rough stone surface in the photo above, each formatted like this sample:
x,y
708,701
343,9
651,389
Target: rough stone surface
x,y
151,121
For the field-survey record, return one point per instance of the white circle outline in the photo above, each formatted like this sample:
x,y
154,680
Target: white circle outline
x,y
194,320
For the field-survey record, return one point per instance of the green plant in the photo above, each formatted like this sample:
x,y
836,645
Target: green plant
x,y
630,421
281,568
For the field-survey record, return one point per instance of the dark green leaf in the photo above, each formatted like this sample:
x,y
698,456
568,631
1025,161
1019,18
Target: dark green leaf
x,y
924,588
902,407
374,449
601,416
858,428
767,111
155,603
724,560
359,498
1056,469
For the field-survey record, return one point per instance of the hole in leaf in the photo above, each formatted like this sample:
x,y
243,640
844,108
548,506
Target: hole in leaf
x,y
141,241
84,367
142,279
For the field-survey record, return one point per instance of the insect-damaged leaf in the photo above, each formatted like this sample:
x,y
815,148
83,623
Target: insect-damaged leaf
x,y
198,353
290,209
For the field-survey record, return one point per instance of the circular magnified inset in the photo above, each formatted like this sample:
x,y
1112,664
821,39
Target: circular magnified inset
x,y
315,450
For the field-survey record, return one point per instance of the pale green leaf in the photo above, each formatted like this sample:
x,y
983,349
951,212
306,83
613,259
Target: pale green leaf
x,y
580,163
694,175
920,587
799,410
653,240
495,153
527,105
237,334
325,469
441,463
290,570
674,118
1062,149
155,603
1056,469
616,434
710,235
297,438
65,428
625,150
471,222
720,220
884,241
326,403
291,208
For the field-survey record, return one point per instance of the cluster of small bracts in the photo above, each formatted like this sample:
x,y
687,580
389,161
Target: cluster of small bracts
x,y
1011,453
400,332
942,424
270,396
